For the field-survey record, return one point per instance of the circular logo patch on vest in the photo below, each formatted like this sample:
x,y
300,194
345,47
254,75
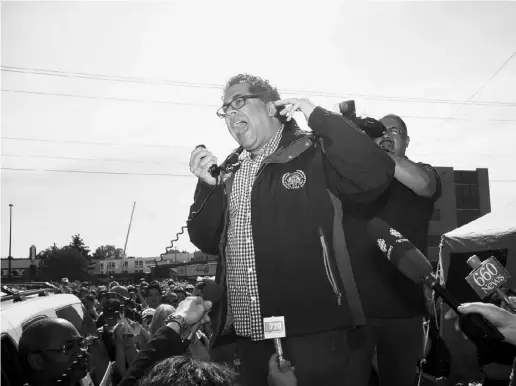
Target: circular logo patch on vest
x,y
294,180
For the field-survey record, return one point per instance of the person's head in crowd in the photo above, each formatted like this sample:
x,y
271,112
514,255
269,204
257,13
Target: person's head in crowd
x,y
181,294
153,295
120,290
99,290
67,289
83,292
187,371
89,301
113,284
170,298
112,311
158,320
395,139
147,316
249,111
132,291
103,297
171,283
65,281
47,349
92,292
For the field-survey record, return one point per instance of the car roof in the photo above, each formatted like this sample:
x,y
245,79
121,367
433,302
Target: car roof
x,y
15,313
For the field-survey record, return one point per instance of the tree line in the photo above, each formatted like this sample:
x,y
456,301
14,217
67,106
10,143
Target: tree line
x,y
72,260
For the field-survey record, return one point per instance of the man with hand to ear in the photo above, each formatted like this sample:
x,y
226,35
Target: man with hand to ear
x,y
167,341
277,206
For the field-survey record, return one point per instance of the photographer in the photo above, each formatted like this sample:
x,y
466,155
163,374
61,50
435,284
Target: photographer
x,y
394,305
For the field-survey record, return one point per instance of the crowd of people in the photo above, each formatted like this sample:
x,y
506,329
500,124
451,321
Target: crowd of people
x,y
144,330
288,214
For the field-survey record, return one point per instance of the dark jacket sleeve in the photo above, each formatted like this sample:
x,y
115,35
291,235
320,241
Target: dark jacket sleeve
x,y
356,167
206,217
165,343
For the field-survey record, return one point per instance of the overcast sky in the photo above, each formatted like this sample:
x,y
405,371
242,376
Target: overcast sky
x,y
135,86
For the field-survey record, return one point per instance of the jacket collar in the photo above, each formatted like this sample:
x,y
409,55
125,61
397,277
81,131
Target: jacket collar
x,y
292,143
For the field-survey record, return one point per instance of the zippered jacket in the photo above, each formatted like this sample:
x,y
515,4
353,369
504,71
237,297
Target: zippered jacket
x,y
302,261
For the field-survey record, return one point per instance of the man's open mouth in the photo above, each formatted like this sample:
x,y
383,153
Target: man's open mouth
x,y
387,142
239,124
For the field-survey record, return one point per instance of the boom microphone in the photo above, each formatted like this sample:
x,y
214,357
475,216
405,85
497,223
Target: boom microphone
x,y
413,264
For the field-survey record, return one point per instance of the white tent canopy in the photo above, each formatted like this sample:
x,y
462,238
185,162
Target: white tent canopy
x,y
491,232
495,230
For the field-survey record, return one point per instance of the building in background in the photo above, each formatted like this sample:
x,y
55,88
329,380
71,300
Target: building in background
x,y
136,265
20,268
199,256
465,197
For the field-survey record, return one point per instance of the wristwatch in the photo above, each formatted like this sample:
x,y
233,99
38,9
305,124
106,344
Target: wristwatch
x,y
180,320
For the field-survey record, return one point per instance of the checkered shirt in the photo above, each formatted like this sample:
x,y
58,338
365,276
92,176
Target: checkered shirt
x,y
241,268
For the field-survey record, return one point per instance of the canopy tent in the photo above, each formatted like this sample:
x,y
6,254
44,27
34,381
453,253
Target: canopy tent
x,y
493,234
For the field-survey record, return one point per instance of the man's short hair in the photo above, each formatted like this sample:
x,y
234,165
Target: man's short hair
x,y
400,121
34,338
179,290
257,86
187,371
155,286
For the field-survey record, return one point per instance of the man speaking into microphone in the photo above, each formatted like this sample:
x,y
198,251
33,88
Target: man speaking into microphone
x,y
274,219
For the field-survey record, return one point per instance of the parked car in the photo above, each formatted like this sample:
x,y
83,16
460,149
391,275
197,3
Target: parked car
x,y
21,308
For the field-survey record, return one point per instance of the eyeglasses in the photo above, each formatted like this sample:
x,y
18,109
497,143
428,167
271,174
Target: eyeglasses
x,y
82,342
236,104
395,131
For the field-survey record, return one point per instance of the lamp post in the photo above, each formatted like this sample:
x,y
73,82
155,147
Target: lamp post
x,y
10,239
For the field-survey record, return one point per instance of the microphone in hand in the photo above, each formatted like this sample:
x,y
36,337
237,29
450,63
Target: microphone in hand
x,y
411,262
214,169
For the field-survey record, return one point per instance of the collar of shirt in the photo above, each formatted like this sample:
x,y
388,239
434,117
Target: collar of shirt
x,y
269,148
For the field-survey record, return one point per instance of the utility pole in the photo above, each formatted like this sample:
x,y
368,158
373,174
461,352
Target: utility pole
x,y
129,230
10,239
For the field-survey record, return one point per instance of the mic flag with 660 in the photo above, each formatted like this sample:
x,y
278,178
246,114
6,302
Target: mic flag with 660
x,y
488,277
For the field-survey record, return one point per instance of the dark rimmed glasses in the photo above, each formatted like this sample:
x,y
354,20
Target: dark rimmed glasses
x,y
236,104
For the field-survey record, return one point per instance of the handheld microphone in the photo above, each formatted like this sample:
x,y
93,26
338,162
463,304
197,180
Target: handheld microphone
x,y
488,277
213,293
228,165
214,169
274,328
413,264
